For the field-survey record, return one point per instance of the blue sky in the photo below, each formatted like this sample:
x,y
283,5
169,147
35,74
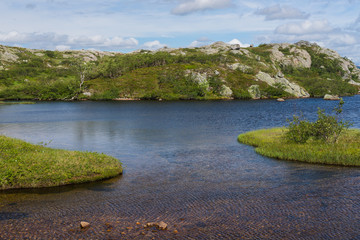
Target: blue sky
x,y
127,25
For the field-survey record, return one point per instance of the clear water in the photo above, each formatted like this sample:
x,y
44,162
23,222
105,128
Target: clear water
x,y
183,166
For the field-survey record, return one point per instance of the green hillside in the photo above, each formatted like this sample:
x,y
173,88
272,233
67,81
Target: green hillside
x,y
217,71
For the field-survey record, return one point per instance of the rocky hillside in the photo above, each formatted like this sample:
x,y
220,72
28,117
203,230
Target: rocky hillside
x,y
217,71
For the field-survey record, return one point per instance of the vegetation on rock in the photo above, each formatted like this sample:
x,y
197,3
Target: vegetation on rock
x,y
24,165
216,71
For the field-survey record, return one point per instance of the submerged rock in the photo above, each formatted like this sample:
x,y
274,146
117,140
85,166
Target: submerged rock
x,y
84,224
160,225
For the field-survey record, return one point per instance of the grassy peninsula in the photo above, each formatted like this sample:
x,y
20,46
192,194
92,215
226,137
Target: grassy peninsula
x,y
24,165
273,143
216,71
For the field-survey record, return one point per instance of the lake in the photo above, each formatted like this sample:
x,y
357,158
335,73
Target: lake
x,y
184,166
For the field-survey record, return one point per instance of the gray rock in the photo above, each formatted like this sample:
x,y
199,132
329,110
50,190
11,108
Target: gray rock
x,y
238,66
226,91
88,94
289,87
8,54
306,44
331,97
235,46
354,83
254,91
280,100
279,75
298,58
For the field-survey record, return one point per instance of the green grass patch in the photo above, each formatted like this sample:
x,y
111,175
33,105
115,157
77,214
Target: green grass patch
x,y
20,102
24,165
272,143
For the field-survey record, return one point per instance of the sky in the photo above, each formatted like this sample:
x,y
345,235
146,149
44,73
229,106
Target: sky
x,y
128,25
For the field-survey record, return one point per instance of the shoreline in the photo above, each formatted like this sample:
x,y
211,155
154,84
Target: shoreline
x,y
32,101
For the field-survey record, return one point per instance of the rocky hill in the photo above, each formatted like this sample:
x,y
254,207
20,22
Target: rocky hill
x,y
217,71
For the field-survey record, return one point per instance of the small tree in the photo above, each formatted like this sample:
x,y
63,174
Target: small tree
x,y
326,128
82,70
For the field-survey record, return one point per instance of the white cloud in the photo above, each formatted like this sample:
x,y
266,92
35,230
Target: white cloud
x,y
200,42
305,27
343,39
62,47
278,12
153,45
53,40
237,41
197,43
199,5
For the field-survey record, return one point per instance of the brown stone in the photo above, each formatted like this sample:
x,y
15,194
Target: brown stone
x,y
160,225
84,224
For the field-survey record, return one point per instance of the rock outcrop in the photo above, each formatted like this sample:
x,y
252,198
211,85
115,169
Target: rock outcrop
x,y
289,55
280,80
8,54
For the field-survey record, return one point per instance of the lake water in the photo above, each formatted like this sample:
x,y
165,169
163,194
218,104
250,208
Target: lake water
x,y
183,166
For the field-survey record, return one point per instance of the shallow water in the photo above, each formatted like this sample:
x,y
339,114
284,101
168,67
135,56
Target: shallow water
x,y
183,166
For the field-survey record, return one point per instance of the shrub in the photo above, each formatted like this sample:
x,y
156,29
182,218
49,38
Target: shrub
x,y
326,128
299,130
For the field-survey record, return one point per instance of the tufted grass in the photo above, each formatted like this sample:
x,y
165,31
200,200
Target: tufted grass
x,y
272,143
24,165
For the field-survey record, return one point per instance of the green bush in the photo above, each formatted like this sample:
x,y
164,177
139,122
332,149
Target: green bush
x,y
326,128
299,130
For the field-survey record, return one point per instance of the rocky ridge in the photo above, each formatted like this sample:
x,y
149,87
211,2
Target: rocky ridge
x,y
269,70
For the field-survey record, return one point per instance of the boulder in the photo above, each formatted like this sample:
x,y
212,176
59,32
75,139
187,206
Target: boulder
x,y
226,91
254,91
331,97
235,46
280,100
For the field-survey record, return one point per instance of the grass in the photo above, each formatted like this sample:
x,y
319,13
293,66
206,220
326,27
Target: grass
x,y
2,102
24,165
272,143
